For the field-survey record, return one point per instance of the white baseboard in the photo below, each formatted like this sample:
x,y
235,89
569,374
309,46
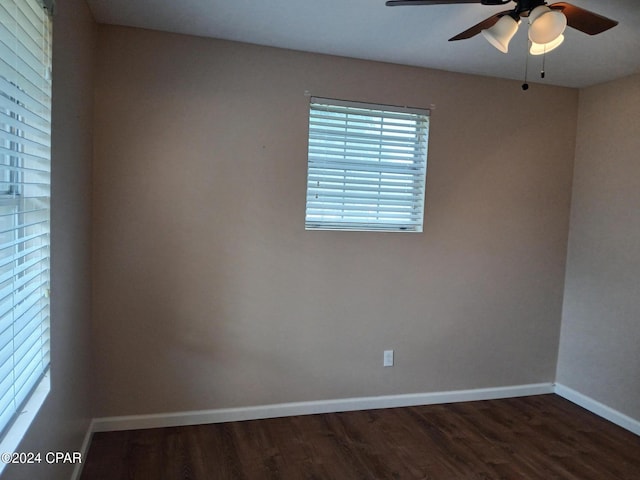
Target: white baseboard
x,y
134,422
598,408
84,450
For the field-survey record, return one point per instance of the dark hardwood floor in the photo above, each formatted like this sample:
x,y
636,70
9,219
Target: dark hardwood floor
x,y
531,438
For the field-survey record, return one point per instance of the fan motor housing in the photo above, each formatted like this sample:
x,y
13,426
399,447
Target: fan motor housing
x,y
524,7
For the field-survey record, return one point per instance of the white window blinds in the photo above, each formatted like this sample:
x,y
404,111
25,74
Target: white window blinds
x,y
25,126
367,166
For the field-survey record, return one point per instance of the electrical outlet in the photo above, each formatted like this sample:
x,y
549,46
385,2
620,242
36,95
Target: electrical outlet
x,y
388,358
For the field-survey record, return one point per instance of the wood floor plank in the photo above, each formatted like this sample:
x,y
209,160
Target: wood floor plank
x,y
529,438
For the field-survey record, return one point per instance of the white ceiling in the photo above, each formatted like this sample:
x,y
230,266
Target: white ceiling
x,y
414,35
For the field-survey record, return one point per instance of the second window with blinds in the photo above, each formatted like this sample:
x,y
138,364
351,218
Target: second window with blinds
x,y
367,166
25,171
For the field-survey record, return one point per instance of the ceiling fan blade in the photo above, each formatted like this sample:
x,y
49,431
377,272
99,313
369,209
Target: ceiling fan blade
x,y
476,29
584,20
396,3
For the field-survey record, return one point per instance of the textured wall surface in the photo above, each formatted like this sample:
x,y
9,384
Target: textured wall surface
x,y
209,293
599,349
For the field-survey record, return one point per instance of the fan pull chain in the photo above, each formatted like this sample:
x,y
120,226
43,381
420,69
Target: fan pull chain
x,y
544,56
525,85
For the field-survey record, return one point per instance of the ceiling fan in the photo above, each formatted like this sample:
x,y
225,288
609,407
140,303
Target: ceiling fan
x,y
546,22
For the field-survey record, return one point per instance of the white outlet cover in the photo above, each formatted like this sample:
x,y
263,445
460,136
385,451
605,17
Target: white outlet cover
x,y
388,358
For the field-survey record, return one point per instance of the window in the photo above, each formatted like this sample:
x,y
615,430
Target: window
x,y
25,127
367,166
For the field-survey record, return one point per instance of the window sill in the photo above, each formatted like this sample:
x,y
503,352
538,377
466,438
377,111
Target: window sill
x,y
21,425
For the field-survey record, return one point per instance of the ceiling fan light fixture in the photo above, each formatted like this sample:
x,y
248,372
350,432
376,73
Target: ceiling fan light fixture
x,y
546,25
500,34
542,48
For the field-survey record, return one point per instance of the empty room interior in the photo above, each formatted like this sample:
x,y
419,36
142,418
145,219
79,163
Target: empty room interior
x,y
187,288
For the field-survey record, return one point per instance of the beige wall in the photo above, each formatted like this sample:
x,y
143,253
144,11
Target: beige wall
x,y
209,293
64,418
599,350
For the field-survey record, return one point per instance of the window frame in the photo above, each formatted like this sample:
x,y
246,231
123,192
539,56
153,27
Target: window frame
x,y
25,207
366,166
